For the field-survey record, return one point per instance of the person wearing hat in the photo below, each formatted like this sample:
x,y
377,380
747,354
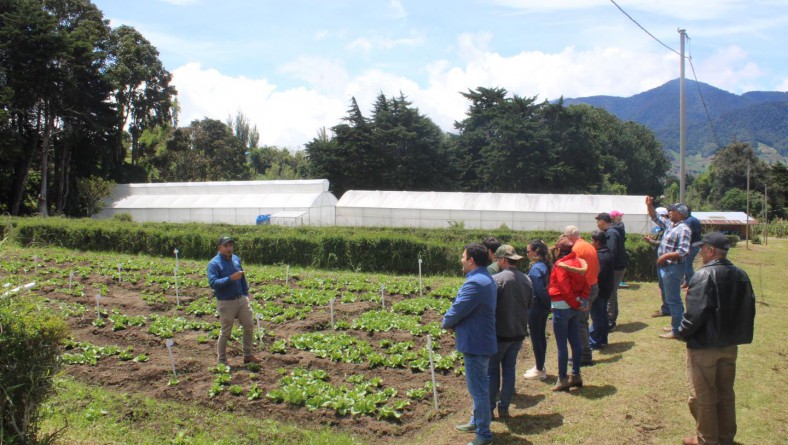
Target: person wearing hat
x,y
671,254
226,278
515,296
720,316
662,213
694,225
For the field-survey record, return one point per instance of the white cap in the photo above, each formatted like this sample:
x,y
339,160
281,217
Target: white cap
x,y
661,211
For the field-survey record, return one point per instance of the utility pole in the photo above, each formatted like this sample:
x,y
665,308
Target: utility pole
x,y
765,215
682,127
747,226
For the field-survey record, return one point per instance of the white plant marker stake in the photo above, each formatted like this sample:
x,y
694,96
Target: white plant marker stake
x,y
70,279
382,298
420,276
98,304
169,342
331,302
35,263
260,331
432,371
120,270
177,291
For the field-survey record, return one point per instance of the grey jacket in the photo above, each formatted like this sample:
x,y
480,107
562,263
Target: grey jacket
x,y
515,296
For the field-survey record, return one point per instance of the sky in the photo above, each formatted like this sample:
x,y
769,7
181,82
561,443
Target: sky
x,y
293,66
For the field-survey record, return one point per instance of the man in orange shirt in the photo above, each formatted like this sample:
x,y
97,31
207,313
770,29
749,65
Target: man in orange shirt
x,y
583,249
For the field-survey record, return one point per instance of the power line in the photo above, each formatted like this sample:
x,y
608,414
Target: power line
x,y
703,101
641,27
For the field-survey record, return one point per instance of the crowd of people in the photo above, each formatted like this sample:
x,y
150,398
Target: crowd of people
x,y
575,281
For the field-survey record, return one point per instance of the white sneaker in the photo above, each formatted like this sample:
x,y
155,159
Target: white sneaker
x,y
533,374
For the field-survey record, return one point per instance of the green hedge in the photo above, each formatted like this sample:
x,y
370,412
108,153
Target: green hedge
x,y
366,249
30,344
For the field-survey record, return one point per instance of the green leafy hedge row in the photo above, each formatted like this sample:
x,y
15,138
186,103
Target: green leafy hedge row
x,y
366,249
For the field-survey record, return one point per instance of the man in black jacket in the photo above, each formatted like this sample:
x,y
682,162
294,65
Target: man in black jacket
x,y
720,315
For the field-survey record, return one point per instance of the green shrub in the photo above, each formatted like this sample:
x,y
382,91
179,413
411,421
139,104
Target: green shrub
x,y
30,344
123,217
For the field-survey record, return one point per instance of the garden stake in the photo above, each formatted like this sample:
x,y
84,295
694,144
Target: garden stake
x,y
432,371
420,275
98,306
382,300
70,279
120,277
35,263
169,344
331,301
260,330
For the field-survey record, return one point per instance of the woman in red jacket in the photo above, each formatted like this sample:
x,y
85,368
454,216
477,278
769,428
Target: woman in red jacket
x,y
568,292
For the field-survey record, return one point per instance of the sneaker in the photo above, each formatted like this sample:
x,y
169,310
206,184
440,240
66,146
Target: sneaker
x,y
667,329
561,385
480,441
611,327
623,285
659,313
690,440
575,381
251,359
466,428
533,374
669,336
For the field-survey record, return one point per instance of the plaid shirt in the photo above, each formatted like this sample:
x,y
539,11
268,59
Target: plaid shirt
x,y
676,239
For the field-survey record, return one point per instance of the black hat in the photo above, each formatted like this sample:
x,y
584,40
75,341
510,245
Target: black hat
x,y
714,239
224,240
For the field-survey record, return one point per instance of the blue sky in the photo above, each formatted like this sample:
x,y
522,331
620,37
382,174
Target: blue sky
x,y
292,66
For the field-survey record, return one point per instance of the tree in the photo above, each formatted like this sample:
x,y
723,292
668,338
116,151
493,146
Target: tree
x,y
142,89
729,169
243,130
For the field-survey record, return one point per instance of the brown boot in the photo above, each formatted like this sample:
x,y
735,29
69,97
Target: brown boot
x,y
690,440
575,381
251,359
561,385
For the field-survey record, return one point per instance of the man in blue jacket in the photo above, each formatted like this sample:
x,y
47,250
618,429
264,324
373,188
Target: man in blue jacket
x,y
472,316
226,278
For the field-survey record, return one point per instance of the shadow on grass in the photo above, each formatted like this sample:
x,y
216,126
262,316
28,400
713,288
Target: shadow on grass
x,y
594,392
631,327
611,359
523,401
616,348
531,424
509,438
631,286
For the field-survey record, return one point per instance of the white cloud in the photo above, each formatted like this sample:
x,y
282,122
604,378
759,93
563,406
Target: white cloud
x,y
369,43
398,9
323,74
283,118
729,69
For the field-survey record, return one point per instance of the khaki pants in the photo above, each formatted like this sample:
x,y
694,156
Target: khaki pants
x,y
229,310
710,375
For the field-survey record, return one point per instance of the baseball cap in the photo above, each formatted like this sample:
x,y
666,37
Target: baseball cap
x,y
661,211
679,207
507,251
714,239
224,240
616,213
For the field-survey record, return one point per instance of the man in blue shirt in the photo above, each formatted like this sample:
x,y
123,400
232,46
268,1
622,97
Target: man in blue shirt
x,y
671,255
226,278
472,316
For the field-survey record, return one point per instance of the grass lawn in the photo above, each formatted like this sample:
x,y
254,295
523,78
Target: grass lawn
x,y
636,392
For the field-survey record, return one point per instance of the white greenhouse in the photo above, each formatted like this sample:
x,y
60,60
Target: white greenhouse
x,y
516,211
303,202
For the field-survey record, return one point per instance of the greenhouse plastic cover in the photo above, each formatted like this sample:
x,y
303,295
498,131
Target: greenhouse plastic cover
x,y
232,202
517,211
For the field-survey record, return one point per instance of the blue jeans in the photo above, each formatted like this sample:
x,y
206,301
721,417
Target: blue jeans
x,y
672,276
597,334
664,308
476,380
537,325
689,260
506,359
566,326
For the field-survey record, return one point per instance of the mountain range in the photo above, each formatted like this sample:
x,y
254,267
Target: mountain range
x,y
757,117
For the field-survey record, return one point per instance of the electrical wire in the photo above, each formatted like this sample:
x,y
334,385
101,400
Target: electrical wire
x,y
641,27
703,101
